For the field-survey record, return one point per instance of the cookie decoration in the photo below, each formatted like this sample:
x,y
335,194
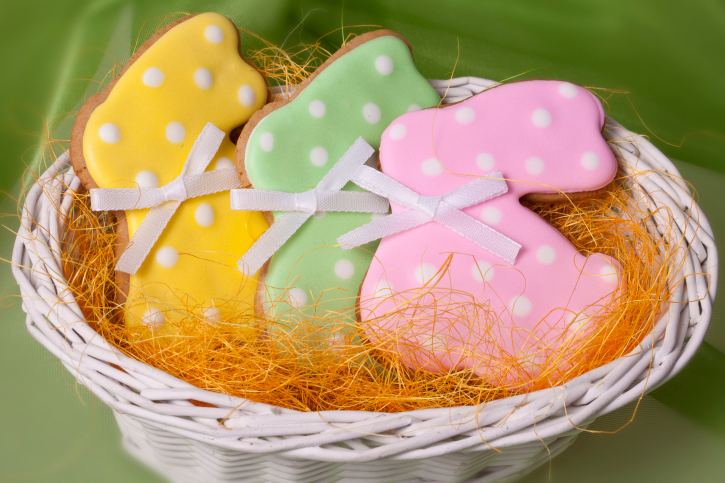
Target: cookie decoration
x,y
145,132
454,303
291,145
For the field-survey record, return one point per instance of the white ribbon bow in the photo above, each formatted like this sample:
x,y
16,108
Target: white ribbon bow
x,y
300,206
445,209
192,182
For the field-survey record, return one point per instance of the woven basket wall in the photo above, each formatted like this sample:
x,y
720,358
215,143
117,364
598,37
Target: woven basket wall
x,y
262,443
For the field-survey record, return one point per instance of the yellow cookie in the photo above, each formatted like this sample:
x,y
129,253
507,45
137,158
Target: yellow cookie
x,y
138,133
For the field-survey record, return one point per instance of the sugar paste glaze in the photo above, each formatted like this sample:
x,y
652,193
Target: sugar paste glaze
x,y
544,137
293,147
141,135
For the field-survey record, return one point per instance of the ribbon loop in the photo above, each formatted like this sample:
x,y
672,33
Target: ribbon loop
x,y
326,196
444,210
191,183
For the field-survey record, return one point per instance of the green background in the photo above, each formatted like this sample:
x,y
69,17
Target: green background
x,y
667,55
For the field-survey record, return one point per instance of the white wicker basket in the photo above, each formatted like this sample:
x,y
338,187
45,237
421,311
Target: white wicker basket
x,y
262,443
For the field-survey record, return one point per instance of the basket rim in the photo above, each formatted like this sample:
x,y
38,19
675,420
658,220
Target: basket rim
x,y
162,401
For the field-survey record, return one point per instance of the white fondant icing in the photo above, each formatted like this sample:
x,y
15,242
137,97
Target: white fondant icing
x,y
246,96
413,107
318,156
541,118
266,141
465,115
384,65
398,131
167,256
482,271
153,77
520,306
534,165
344,269
425,272
568,90
490,215
371,113
223,163
204,214
212,313
590,160
203,78
109,133
175,132
545,254
297,297
153,318
431,167
147,179
317,108
214,34
485,162
609,274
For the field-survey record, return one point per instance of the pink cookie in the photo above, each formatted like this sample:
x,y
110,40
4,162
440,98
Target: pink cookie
x,y
544,137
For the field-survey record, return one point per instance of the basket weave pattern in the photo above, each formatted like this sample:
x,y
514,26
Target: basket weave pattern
x,y
239,440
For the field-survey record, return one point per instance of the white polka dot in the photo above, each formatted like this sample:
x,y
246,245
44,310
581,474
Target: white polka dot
x,y
153,77
175,132
398,131
383,289
266,141
490,215
384,65
317,108
568,90
109,133
336,342
153,319
590,160
344,269
297,297
609,274
377,216
214,34
545,254
425,272
534,165
212,313
167,256
371,113
482,270
520,306
575,324
431,167
432,342
246,96
465,115
147,180
223,163
204,214
318,156
319,214
485,162
413,107
541,118
203,79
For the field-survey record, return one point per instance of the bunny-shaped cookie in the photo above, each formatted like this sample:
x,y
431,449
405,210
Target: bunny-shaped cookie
x,y
292,144
545,138
138,132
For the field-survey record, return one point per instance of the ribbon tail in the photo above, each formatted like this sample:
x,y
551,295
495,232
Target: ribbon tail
x,y
262,200
345,168
106,199
203,151
389,225
482,235
145,238
477,191
270,241
376,182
